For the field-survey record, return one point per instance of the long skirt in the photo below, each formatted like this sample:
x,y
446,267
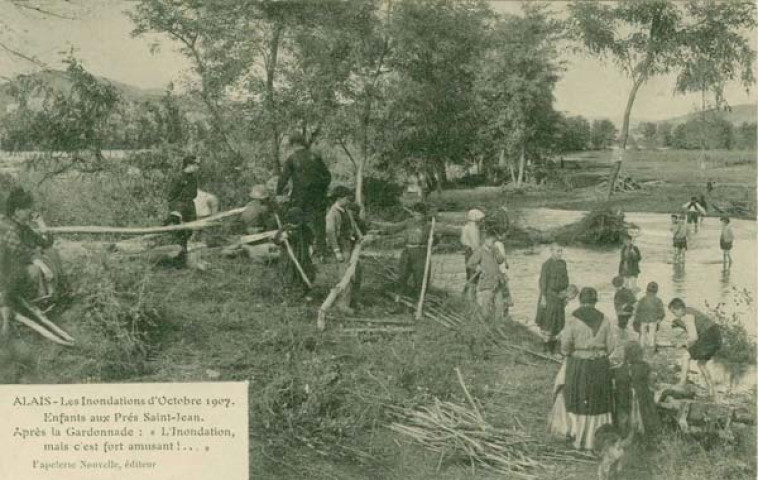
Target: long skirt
x,y
551,318
589,398
558,423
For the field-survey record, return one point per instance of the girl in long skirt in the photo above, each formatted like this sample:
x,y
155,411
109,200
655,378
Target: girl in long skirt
x,y
586,341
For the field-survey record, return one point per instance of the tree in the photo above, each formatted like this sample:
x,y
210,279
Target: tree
x,y
436,47
73,123
664,134
574,134
640,36
515,87
747,136
715,52
603,134
648,130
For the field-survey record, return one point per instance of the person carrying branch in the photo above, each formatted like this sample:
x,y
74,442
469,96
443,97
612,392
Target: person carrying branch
x,y
181,204
343,232
298,233
21,276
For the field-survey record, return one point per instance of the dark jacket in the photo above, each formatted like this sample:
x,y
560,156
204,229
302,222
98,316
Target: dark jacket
x,y
310,179
181,196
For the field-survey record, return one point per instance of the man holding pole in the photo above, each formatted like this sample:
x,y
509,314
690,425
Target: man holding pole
x,y
181,204
343,232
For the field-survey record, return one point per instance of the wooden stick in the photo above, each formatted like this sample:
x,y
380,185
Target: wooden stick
x,y
41,318
468,397
195,225
427,268
337,289
379,330
292,255
42,331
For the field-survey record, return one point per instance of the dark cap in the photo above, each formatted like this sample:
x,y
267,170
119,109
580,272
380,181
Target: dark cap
x,y
18,198
652,287
341,191
588,295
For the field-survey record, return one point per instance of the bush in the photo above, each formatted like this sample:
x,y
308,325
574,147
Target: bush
x,y
737,345
602,226
379,192
117,319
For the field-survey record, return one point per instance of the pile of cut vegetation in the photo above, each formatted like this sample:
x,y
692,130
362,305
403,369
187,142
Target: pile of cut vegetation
x,y
602,226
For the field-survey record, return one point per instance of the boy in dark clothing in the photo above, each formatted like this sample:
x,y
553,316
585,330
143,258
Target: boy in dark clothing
x,y
413,257
648,315
623,301
181,204
300,237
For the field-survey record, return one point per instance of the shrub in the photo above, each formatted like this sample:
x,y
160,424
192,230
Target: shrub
x,y
602,226
737,345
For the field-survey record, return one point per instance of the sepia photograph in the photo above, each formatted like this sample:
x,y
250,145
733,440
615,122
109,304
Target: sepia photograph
x,y
378,239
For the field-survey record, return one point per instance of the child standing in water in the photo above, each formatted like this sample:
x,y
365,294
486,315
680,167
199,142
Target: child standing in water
x,y
679,231
648,315
726,241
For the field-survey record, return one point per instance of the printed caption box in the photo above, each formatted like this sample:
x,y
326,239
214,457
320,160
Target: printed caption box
x,y
188,431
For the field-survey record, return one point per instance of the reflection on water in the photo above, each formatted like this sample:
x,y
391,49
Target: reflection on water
x,y
701,279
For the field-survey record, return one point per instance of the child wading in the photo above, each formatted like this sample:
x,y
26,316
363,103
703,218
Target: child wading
x,y
726,242
629,266
634,407
679,231
648,316
471,241
486,261
703,340
300,237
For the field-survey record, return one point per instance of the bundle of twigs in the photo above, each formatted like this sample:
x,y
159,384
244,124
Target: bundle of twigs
x,y
460,432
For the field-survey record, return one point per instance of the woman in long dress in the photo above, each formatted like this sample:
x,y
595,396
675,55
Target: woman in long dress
x,y
586,341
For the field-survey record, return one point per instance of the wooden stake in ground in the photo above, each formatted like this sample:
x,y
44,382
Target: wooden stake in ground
x,y
292,255
337,289
427,268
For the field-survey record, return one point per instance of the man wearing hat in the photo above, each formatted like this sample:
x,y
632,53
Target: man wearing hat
x,y
20,277
258,215
181,203
310,185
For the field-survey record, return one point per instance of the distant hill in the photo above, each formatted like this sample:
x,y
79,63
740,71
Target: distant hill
x,y
737,115
59,79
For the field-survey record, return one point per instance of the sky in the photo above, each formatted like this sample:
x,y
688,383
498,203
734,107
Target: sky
x,y
100,37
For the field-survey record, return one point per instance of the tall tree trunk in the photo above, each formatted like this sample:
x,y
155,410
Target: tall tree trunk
x,y
270,104
616,168
521,166
441,175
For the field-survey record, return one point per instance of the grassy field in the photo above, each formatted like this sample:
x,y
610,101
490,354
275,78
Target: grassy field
x,y
669,178
321,403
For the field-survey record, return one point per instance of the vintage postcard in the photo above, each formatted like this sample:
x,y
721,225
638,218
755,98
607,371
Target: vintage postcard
x,y
368,239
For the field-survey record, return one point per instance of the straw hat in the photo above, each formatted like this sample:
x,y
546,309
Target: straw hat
x,y
475,215
259,192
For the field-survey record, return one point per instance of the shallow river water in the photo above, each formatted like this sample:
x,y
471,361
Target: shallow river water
x,y
700,280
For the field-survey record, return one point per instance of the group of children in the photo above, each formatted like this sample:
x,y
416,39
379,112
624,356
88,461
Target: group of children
x,y
486,265
681,225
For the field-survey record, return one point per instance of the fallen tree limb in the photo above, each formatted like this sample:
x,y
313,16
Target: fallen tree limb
x,y
207,222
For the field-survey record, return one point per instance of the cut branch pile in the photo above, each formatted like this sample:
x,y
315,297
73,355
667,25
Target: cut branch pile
x,y
461,433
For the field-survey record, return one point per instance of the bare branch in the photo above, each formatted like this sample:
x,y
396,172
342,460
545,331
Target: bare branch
x,y
36,8
21,55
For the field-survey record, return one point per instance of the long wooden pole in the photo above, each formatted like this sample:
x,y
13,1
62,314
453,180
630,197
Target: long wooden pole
x,y
195,225
425,283
292,255
337,289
